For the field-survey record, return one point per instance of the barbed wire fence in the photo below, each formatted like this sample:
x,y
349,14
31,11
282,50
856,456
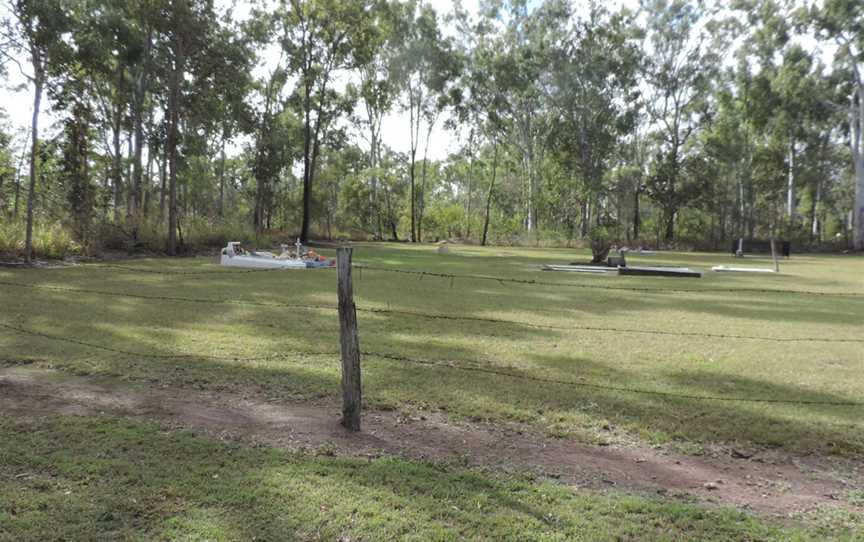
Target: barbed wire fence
x,y
452,277
485,367
431,316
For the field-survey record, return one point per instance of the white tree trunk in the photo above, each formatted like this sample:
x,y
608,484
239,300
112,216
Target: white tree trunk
x,y
790,184
857,122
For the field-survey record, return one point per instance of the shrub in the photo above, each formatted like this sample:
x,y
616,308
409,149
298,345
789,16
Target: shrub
x,y
50,240
601,243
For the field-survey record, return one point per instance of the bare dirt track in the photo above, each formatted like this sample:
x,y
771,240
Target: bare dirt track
x,y
778,488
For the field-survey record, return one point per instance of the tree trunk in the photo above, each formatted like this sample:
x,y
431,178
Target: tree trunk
x,y
585,219
220,209
637,219
814,211
147,197
857,148
670,225
470,179
422,202
374,150
163,175
489,194
790,183
116,161
307,173
173,121
138,123
39,79
528,160
414,132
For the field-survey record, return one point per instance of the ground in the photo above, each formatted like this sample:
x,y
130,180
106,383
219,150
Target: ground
x,y
171,399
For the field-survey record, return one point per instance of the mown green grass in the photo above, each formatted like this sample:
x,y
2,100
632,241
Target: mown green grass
x,y
692,365
104,478
109,478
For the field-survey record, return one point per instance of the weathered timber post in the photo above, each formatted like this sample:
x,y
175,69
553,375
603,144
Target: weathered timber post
x,y
350,343
774,257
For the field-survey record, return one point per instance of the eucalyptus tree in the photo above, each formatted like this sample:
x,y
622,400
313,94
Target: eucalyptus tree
x,y
32,30
842,21
593,94
75,173
682,61
379,89
183,49
427,66
525,59
222,84
795,85
322,40
484,102
143,23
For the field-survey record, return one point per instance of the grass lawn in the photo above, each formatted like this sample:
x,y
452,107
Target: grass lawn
x,y
261,329
113,479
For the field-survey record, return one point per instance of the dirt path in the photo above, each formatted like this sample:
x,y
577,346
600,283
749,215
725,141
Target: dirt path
x,y
764,487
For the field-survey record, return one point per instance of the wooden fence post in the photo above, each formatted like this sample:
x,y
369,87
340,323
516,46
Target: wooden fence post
x,y
350,343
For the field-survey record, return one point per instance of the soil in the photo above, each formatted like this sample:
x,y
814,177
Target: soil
x,y
766,485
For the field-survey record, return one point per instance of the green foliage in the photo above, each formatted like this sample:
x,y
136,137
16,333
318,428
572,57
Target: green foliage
x,y
50,240
592,119
601,243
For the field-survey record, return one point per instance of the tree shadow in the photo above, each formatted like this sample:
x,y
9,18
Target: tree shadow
x,y
187,486
242,331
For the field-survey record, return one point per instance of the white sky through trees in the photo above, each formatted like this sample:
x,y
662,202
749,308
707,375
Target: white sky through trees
x,y
16,95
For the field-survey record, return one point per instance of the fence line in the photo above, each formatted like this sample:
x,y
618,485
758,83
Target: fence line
x,y
438,316
503,280
153,355
163,272
462,366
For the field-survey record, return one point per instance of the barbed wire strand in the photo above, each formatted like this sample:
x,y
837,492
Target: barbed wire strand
x,y
461,367
503,280
439,316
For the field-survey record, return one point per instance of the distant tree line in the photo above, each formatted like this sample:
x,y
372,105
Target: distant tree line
x,y
683,123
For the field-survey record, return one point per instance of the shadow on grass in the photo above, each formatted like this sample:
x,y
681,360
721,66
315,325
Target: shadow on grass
x,y
241,331
118,479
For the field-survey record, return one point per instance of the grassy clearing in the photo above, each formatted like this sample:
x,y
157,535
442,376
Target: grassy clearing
x,y
810,371
121,479
116,479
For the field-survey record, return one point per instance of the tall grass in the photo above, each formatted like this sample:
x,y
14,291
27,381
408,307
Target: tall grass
x,y
198,235
50,240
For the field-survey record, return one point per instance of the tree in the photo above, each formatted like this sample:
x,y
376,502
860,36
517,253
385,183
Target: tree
x,y
32,30
486,88
525,47
593,94
678,75
75,174
187,58
842,21
379,89
321,38
427,66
